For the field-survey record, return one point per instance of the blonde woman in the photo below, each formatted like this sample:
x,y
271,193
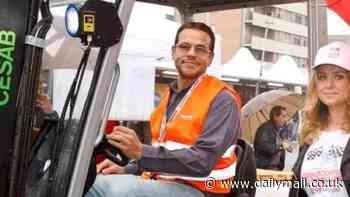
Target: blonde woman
x,y
323,165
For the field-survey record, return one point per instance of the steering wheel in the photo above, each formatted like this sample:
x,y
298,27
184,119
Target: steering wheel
x,y
111,152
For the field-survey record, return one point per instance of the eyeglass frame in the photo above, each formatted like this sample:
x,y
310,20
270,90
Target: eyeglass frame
x,y
200,50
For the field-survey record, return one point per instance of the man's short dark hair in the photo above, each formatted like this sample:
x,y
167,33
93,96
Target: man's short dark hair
x,y
197,26
276,111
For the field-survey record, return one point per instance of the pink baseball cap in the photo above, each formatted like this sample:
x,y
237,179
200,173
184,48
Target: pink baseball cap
x,y
335,53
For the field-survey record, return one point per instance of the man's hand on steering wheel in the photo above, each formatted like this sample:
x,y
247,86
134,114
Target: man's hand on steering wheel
x,y
127,141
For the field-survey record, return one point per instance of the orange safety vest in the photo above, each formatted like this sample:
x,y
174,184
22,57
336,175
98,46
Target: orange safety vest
x,y
185,127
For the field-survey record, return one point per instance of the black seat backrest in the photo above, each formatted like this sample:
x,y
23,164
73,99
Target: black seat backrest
x,y
245,170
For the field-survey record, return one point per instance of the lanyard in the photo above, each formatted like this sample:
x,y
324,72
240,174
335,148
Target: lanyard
x,y
178,108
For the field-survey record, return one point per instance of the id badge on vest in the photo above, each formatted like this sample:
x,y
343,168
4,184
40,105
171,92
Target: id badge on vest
x,y
162,133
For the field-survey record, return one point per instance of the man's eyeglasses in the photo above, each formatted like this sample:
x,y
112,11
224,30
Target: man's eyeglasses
x,y
200,50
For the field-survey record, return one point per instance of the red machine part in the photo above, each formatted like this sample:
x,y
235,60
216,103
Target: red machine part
x,y
109,127
341,7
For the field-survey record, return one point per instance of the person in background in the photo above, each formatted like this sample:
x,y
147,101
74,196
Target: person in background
x,y
44,112
43,102
193,129
324,156
268,145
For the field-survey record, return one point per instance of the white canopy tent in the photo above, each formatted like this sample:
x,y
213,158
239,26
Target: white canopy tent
x,y
133,99
243,65
149,35
285,70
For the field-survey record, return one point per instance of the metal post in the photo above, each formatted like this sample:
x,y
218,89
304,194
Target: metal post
x,y
257,88
317,28
186,16
313,43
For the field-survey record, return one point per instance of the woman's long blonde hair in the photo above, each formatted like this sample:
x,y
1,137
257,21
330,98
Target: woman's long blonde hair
x,y
315,114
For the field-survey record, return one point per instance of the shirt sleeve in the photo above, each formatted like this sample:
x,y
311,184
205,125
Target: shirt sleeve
x,y
133,168
220,131
53,116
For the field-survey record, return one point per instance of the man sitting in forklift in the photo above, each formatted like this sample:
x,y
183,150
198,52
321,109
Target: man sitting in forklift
x,y
194,130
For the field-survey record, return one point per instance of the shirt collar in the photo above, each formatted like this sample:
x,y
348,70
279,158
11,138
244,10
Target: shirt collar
x,y
173,87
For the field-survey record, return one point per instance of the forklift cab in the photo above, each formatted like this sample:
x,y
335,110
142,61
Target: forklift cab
x,y
22,40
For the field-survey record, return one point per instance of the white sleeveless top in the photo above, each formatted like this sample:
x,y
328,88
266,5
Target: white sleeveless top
x,y
321,166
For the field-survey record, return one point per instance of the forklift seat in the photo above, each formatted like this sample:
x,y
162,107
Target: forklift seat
x,y
245,170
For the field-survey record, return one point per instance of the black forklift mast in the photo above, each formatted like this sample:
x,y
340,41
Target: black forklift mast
x,y
17,18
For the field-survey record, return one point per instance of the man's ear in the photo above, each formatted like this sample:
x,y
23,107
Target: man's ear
x,y
211,57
